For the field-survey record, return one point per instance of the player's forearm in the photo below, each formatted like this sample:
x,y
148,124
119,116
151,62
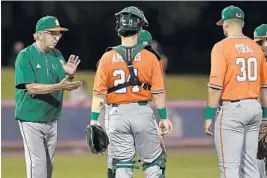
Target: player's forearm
x,y
36,88
160,101
263,99
214,96
97,103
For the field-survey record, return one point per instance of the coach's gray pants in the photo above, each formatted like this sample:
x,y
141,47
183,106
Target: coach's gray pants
x,y
132,130
236,138
39,145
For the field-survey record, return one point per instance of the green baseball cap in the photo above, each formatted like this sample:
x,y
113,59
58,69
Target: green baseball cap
x,y
231,12
49,23
260,32
144,37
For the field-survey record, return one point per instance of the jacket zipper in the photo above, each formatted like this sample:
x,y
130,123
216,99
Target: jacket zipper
x,y
46,65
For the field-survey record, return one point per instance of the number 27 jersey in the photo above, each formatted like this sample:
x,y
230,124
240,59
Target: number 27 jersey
x,y
112,70
238,68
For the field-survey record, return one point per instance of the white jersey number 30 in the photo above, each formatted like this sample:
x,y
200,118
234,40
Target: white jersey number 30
x,y
248,69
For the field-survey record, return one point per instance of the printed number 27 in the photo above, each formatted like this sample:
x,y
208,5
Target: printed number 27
x,y
121,73
248,69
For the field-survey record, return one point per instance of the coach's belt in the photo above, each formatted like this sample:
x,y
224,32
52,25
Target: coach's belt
x,y
141,103
234,101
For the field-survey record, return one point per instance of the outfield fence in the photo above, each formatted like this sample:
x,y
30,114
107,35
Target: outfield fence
x,y
187,117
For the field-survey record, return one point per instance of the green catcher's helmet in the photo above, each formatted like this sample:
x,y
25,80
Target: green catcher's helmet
x,y
130,21
260,32
144,37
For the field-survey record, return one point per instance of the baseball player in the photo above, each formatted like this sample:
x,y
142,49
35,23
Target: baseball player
x,y
260,36
238,72
41,76
145,38
127,78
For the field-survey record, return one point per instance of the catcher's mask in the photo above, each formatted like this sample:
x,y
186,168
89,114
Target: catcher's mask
x,y
130,21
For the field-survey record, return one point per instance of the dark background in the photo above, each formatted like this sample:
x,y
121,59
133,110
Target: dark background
x,y
186,30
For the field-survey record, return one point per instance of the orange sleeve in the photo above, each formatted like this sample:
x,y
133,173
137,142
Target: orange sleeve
x,y
218,68
263,72
157,81
101,77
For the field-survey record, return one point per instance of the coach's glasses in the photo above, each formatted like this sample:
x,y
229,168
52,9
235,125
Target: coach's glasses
x,y
53,34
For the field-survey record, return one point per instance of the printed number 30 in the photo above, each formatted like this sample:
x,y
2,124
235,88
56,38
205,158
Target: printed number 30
x,y
248,69
121,73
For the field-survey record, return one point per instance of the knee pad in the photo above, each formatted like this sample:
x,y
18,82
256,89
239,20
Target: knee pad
x,y
160,161
116,164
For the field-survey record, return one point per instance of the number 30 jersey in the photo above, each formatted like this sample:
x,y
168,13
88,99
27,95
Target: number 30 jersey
x,y
112,71
238,68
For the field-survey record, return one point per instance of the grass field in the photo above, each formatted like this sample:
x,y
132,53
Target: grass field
x,y
92,166
177,86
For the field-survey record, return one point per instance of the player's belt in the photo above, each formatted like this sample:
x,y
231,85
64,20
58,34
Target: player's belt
x,y
141,103
234,101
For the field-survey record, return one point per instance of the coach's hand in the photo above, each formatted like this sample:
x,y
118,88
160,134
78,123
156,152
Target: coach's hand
x,y
208,127
66,84
165,126
71,66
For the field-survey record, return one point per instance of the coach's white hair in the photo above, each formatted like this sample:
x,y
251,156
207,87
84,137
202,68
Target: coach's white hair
x,y
36,36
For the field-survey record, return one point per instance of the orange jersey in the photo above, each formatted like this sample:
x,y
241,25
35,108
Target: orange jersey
x,y
238,68
112,70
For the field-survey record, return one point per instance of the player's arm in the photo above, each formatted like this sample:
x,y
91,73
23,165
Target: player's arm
x,y
100,88
25,78
157,88
264,87
215,86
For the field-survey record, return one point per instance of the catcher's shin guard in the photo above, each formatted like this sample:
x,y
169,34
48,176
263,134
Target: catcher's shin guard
x,y
125,167
160,162
111,173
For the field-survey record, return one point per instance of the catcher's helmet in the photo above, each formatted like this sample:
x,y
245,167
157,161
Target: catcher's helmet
x,y
130,21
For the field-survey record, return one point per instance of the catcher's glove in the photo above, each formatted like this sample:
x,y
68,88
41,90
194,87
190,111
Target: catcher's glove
x,y
96,138
262,144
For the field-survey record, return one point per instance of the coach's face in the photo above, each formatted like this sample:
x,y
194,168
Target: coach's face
x,y
51,38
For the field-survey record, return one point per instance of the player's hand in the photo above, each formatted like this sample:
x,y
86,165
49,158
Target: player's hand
x,y
92,122
208,127
165,127
66,84
71,66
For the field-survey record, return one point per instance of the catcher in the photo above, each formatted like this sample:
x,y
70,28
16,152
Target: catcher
x,y
145,38
260,36
127,78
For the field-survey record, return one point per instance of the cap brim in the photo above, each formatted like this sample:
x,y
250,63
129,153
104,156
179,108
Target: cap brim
x,y
58,29
257,39
220,22
260,38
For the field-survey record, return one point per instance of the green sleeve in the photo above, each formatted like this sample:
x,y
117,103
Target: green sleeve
x,y
24,73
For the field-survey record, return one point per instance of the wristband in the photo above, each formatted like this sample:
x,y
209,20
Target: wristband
x,y
71,77
162,113
210,112
264,112
94,116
